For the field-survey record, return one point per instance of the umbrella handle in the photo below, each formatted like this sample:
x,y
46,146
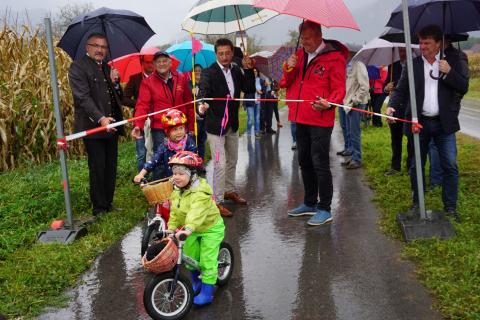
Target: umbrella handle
x,y
440,75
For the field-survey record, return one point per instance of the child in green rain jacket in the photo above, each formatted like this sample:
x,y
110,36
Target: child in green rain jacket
x,y
193,208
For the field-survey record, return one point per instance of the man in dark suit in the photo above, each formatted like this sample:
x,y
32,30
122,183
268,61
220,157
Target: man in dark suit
x,y
130,96
220,80
97,102
438,103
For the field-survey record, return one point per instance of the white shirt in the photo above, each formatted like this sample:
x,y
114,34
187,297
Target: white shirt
x,y
227,72
430,101
316,52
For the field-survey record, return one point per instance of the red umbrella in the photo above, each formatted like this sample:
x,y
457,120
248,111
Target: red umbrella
x,y
328,13
129,64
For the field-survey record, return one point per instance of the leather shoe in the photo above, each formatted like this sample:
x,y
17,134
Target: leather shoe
x,y
353,165
224,212
234,197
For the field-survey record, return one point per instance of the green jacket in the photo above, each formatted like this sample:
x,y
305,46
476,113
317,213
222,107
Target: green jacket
x,y
193,208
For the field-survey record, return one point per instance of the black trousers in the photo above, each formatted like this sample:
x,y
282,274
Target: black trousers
x,y
275,111
396,137
313,147
377,103
102,167
268,115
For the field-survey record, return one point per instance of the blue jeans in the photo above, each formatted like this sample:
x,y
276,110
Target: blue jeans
x,y
158,137
353,119
141,151
447,151
436,172
253,117
343,124
293,130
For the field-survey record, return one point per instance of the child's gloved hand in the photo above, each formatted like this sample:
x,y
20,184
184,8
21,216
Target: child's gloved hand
x,y
186,232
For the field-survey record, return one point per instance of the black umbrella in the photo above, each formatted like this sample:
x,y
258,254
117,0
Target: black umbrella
x,y
453,16
396,35
125,30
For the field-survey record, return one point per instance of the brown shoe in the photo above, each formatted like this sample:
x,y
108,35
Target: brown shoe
x,y
224,212
234,197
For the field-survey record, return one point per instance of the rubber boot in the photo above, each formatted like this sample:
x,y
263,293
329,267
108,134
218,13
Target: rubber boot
x,y
196,282
206,295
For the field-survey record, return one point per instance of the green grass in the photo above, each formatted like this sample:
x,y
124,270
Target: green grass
x,y
33,275
474,89
450,269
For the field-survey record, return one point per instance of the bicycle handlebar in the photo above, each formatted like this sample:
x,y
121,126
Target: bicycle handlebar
x,y
168,233
182,237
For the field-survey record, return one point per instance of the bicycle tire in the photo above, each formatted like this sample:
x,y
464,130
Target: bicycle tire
x,y
225,255
155,294
147,236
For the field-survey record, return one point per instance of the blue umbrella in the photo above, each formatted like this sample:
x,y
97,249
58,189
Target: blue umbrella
x,y
183,52
453,16
125,30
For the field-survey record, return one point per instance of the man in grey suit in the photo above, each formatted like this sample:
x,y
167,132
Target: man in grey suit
x,y
438,102
97,102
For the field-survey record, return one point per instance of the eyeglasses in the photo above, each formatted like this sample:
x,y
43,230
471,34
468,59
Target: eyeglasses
x,y
97,46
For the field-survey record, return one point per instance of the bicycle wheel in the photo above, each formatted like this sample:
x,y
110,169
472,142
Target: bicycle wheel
x,y
156,297
147,238
225,263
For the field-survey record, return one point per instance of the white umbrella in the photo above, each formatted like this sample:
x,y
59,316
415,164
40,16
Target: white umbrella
x,y
380,52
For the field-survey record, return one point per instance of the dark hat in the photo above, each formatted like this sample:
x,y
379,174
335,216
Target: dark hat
x,y
160,54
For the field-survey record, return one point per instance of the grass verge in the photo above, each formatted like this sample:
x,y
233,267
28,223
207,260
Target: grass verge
x,y
33,275
473,88
450,269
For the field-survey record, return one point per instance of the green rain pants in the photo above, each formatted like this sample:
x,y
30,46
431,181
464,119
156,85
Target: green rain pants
x,y
204,247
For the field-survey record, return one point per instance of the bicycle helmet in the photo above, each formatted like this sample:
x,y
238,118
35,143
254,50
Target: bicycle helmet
x,y
186,158
173,118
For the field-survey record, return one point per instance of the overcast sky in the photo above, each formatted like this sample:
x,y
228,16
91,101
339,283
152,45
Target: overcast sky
x,y
165,16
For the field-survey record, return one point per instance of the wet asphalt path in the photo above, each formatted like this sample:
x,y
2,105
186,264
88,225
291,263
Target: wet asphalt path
x,y
284,269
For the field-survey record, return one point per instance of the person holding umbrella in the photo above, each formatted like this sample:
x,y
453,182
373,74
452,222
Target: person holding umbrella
x,y
97,101
440,86
164,89
315,72
130,97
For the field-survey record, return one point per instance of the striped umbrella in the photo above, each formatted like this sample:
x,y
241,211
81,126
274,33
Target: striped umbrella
x,y
224,16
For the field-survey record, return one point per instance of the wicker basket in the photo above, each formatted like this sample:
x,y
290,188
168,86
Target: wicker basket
x,y
165,260
158,191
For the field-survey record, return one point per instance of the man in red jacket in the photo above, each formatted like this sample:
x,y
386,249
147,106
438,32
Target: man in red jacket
x,y
315,72
162,90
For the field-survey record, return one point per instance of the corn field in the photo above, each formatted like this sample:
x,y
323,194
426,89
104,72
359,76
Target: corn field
x,y
474,64
27,122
